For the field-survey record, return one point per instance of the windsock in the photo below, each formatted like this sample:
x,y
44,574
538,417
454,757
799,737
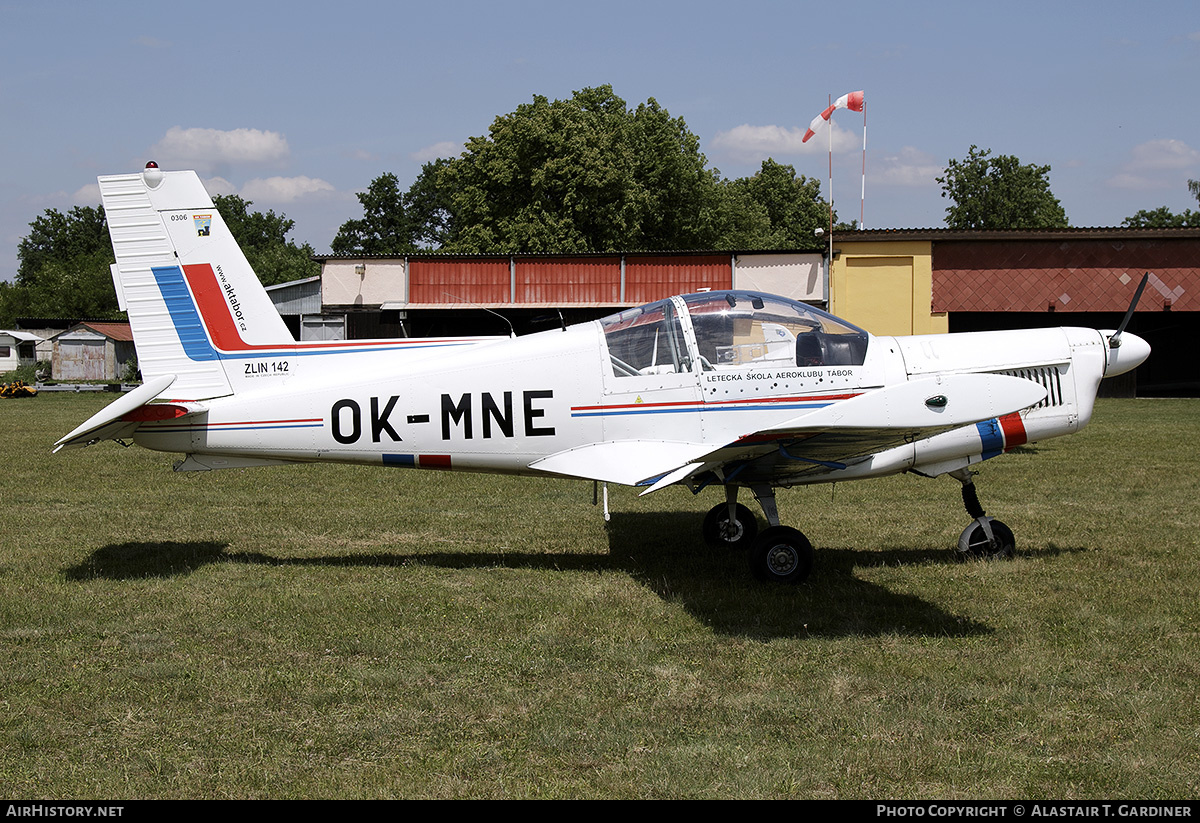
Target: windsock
x,y
852,101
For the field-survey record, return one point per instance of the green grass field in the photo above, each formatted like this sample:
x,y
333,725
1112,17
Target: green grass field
x,y
335,632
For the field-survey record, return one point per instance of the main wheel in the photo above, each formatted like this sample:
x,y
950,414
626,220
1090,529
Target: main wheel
x,y
781,555
721,532
974,541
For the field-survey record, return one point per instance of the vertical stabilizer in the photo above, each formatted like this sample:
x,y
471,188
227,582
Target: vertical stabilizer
x,y
192,298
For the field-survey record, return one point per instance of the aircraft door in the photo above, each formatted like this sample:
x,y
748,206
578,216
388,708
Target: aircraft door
x,y
650,375
761,357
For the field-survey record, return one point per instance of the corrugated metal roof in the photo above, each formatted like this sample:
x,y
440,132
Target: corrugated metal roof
x,y
113,331
439,255
1099,233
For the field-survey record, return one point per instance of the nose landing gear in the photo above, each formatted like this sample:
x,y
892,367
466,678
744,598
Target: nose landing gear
x,y
986,537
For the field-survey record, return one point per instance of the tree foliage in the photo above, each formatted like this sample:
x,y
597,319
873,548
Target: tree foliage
x,y
385,227
65,260
999,193
263,238
587,174
63,270
791,205
1163,217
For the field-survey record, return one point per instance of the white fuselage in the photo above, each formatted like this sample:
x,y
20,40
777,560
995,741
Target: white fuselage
x,y
499,405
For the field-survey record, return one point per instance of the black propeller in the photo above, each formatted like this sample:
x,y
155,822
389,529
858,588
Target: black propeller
x,y
1114,342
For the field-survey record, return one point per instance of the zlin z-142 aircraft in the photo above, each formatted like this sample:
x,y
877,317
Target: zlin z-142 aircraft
x,y
732,389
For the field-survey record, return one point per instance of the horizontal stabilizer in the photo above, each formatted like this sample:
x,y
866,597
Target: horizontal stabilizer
x,y
628,462
108,423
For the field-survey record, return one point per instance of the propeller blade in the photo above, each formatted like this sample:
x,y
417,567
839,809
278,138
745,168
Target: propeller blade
x,y
1114,342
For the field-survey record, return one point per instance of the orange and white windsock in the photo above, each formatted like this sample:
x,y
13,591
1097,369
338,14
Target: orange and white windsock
x,y
852,101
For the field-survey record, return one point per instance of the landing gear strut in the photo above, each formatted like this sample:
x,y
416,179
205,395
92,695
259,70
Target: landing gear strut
x,y
986,537
778,554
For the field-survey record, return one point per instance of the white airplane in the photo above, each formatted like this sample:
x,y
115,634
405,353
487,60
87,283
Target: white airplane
x,y
732,389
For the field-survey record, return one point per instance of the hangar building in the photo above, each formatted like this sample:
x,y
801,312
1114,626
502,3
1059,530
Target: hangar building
x,y
889,281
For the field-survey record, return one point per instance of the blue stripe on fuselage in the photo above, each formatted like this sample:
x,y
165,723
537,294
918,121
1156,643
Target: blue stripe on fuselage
x,y
992,436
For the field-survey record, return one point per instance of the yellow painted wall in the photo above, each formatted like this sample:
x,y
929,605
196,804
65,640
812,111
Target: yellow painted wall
x,y
887,288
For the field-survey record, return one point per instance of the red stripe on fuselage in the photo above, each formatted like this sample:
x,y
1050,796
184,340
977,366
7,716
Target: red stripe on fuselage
x,y
1014,431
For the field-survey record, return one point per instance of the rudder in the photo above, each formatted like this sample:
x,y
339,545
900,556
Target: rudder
x,y
193,300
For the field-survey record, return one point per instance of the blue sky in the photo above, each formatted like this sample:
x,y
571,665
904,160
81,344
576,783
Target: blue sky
x,y
298,106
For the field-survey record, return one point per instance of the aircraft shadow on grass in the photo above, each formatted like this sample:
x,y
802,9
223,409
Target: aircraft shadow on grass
x,y
654,549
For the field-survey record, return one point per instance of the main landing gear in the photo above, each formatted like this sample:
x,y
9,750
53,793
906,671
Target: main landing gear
x,y
777,554
784,555
986,537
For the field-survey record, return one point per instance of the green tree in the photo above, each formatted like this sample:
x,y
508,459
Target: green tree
x,y
581,175
263,238
385,227
1163,217
429,209
587,174
791,205
999,193
63,269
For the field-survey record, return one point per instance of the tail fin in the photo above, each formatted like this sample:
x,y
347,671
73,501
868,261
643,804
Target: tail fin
x,y
193,301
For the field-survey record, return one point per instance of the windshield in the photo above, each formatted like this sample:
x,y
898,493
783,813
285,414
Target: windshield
x,y
746,328
732,329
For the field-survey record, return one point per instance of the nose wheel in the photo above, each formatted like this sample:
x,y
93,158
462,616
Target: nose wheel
x,y
986,537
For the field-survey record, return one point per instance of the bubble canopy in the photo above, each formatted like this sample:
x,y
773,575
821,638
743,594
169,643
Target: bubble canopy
x,y
726,330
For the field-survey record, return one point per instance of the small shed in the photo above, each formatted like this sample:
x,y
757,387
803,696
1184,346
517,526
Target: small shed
x,y
94,351
17,348
299,304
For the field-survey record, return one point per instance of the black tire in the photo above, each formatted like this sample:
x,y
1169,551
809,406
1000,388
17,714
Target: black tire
x,y
781,555
720,533
974,542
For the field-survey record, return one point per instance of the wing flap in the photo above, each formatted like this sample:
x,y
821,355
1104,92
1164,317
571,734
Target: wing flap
x,y
629,462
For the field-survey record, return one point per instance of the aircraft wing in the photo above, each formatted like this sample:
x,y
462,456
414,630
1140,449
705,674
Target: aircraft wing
x,y
821,440
882,419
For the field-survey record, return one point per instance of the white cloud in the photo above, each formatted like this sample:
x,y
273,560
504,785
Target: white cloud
x,y
908,168
1164,154
283,189
219,185
214,150
746,143
1132,181
89,195
1157,164
447,148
